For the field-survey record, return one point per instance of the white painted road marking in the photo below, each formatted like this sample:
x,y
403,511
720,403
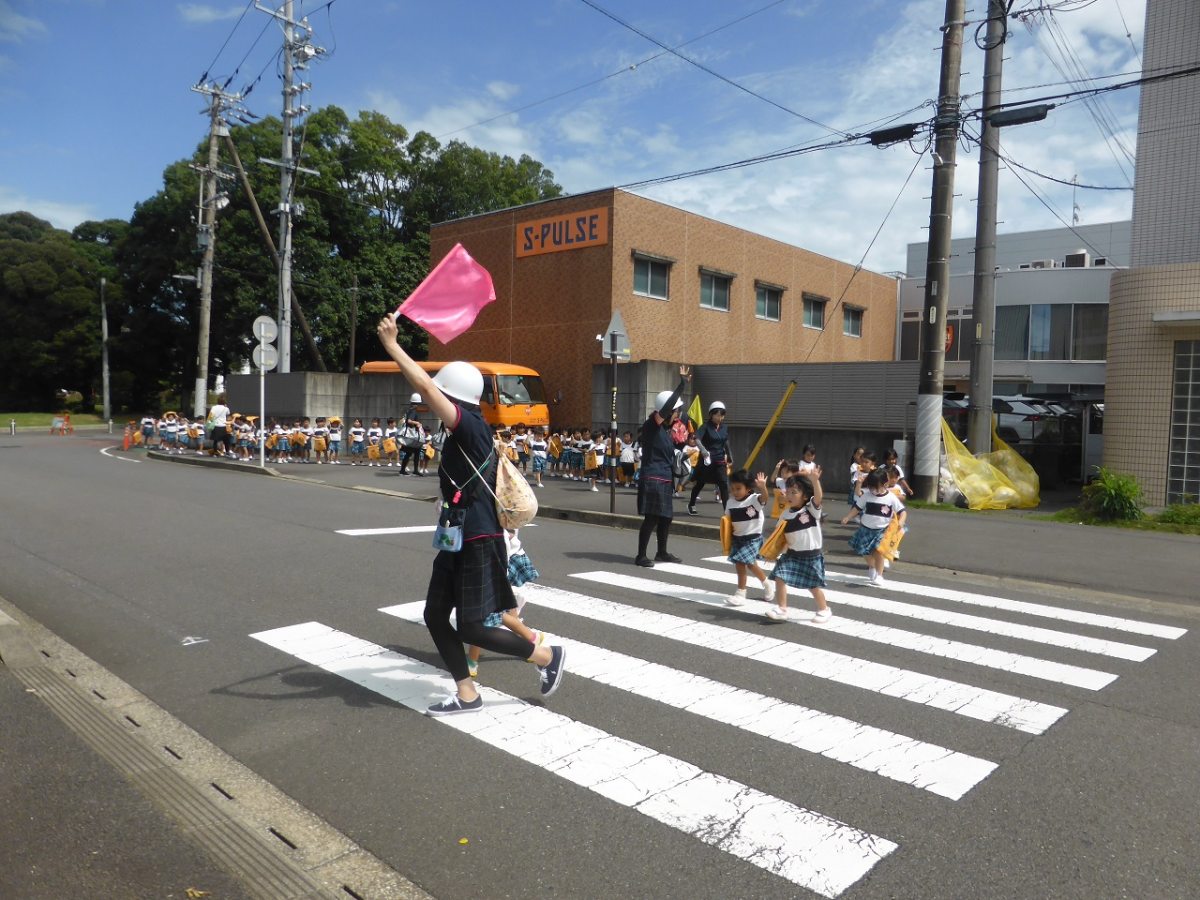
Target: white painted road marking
x,y
1017,663
896,756
1079,617
929,690
104,452
403,529
802,846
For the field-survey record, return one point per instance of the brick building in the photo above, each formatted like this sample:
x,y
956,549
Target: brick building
x,y
689,289
1152,415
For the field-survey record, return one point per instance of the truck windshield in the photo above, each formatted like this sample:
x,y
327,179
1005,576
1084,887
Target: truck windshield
x,y
519,389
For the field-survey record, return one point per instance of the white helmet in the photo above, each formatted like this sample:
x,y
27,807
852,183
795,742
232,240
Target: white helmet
x,y
662,397
415,398
460,380
716,406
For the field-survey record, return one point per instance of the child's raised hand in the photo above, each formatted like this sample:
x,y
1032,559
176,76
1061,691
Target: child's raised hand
x,y
760,480
816,472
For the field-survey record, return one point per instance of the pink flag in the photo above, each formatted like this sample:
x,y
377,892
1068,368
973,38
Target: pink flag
x,y
446,303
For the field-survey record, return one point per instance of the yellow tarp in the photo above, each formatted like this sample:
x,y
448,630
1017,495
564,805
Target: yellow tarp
x,y
997,480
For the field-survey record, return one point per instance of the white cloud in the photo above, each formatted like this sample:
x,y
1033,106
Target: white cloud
x,y
15,27
445,121
204,13
503,90
58,214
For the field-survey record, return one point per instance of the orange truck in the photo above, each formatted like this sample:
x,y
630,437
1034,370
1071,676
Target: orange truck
x,y
512,395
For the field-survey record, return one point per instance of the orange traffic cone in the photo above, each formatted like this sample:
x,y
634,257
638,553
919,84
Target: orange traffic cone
x,y
125,441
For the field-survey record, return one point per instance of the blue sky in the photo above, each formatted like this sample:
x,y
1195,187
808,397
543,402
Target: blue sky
x,y
97,101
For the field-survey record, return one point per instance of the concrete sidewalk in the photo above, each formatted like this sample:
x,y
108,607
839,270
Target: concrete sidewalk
x,y
1008,544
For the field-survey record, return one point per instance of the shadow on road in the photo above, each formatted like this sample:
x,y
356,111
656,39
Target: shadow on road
x,y
304,683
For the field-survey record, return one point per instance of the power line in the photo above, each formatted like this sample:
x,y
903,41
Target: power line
x,y
699,65
1073,184
622,71
203,78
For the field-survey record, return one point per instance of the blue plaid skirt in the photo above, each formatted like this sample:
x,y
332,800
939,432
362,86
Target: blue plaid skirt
x,y
800,571
744,548
539,463
474,580
655,498
521,570
866,539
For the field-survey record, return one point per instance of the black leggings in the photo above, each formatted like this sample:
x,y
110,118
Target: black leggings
x,y
650,524
449,642
713,474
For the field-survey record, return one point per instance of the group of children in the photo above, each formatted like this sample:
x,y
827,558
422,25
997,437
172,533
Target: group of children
x,y
171,432
876,499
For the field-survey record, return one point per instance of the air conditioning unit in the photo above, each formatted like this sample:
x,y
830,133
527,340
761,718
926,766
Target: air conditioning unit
x,y
1044,264
1100,261
1077,260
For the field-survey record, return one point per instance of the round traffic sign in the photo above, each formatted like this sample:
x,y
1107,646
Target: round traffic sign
x,y
265,329
265,356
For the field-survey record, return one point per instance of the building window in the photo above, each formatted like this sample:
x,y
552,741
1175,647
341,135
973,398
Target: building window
x,y
1183,471
1089,333
852,318
768,301
714,291
651,277
1012,332
814,312
1050,331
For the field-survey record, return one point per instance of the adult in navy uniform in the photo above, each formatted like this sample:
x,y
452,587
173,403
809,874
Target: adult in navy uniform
x,y
713,439
656,481
471,582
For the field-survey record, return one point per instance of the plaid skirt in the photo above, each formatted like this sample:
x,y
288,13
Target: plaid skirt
x,y
521,570
474,580
800,571
539,463
744,548
866,539
655,498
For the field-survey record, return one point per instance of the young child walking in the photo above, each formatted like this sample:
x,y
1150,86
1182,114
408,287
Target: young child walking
x,y
875,509
538,447
745,509
802,564
520,572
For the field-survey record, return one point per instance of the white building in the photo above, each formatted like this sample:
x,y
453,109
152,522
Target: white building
x,y
1052,290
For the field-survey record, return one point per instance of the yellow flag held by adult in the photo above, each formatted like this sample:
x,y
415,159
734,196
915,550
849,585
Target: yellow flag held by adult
x,y
695,414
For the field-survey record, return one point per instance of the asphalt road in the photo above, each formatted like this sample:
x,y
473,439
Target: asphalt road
x,y
165,573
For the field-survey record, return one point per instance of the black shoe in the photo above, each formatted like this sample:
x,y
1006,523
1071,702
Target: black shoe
x,y
644,561
552,673
452,706
692,511
667,557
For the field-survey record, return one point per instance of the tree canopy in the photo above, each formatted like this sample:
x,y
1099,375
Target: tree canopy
x,y
365,222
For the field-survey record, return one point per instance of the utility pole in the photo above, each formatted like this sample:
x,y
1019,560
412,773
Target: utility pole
x,y
927,458
298,50
105,397
983,350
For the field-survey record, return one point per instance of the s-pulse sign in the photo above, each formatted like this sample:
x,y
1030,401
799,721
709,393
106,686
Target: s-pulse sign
x,y
569,231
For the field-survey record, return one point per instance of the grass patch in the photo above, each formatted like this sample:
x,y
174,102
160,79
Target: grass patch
x,y
1167,521
43,419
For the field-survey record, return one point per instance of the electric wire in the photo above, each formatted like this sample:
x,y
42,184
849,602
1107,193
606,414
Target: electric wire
x,y
1128,33
225,44
622,71
699,65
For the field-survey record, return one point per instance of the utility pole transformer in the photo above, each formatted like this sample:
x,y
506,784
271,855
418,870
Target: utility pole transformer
x,y
983,349
927,458
298,50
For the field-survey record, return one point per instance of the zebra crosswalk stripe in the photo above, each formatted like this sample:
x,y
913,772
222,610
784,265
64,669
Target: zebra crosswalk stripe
x,y
805,847
1076,616
943,617
986,705
896,756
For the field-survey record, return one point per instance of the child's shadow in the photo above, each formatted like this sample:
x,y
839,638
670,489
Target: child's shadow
x,y
597,556
302,683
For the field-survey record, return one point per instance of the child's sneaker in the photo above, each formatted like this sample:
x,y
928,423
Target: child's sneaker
x,y
473,667
777,613
873,576
552,673
822,616
737,598
594,488
538,637
879,581
887,564
452,705
768,588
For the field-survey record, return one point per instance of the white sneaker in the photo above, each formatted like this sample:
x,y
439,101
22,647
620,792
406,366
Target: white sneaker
x,y
879,582
873,576
768,589
887,564
594,488
777,614
822,616
737,598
